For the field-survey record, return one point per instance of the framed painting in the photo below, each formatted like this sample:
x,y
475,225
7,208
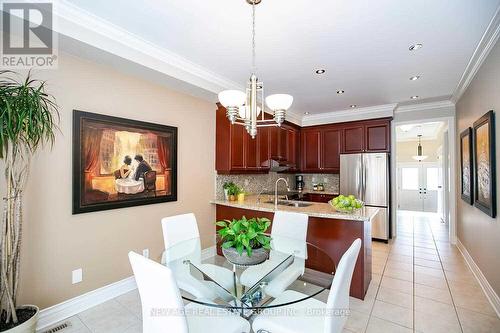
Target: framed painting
x,y
120,162
484,164
466,174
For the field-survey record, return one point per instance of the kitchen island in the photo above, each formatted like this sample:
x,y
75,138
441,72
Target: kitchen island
x,y
329,230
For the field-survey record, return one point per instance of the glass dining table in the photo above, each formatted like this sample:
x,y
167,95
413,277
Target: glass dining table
x,y
216,282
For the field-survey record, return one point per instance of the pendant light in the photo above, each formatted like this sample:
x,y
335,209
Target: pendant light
x,y
420,156
244,108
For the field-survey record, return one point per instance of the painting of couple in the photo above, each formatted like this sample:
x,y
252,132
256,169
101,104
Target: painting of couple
x,y
106,176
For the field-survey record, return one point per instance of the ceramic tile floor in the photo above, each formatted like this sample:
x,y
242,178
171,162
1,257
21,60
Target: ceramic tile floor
x,y
420,283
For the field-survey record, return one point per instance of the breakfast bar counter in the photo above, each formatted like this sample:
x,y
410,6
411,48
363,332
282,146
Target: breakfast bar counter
x,y
331,231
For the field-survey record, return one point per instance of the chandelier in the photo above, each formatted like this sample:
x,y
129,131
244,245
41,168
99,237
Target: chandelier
x,y
420,156
244,108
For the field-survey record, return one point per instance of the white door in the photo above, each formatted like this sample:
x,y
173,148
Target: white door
x,y
418,185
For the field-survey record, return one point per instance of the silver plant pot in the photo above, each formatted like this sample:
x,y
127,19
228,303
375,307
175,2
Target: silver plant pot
x,y
258,256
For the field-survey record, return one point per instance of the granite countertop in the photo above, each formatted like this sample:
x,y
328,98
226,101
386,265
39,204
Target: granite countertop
x,y
323,210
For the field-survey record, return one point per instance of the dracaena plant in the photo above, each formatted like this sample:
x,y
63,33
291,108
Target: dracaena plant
x,y
28,120
245,234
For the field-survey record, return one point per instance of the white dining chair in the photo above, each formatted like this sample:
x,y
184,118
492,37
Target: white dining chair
x,y
182,241
288,233
163,309
312,315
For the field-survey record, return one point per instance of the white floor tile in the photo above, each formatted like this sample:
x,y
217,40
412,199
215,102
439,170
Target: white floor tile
x,y
108,317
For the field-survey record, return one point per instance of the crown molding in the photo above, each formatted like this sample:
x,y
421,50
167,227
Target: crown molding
x,y
294,117
424,106
486,44
87,28
379,111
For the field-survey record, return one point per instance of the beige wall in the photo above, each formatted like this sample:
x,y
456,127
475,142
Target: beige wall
x,y
56,242
477,231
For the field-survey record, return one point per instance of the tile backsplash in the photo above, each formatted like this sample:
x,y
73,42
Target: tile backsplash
x,y
257,183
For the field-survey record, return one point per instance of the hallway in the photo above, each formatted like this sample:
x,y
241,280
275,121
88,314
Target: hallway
x,y
421,283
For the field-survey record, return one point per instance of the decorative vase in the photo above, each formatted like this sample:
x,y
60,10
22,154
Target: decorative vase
x,y
258,256
226,194
29,326
232,197
241,197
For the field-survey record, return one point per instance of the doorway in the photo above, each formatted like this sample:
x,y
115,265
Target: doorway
x,y
420,169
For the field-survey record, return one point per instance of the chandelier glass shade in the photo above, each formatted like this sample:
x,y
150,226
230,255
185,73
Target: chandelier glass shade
x,y
244,108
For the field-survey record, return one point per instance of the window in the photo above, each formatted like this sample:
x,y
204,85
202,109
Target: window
x,y
409,178
432,179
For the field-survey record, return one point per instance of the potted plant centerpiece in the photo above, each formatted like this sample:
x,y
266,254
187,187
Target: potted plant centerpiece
x,y
244,241
28,121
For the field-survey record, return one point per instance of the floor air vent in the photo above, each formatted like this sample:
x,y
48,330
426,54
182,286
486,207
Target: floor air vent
x,y
58,328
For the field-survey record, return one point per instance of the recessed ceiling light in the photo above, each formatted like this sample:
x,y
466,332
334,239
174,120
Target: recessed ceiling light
x,y
414,97
415,47
320,71
353,106
340,92
306,113
415,78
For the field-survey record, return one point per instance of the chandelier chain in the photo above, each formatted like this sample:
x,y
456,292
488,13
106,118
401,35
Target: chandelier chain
x,y
254,67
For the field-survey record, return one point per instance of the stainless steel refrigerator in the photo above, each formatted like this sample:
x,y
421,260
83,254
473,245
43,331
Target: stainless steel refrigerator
x,y
367,177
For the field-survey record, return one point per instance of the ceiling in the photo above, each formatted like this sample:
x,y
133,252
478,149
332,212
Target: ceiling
x,y
363,45
429,131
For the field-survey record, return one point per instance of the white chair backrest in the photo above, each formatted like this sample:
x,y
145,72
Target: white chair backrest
x,y
162,308
290,225
179,228
338,299
289,233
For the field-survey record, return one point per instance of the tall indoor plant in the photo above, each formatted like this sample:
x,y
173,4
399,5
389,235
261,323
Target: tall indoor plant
x,y
28,120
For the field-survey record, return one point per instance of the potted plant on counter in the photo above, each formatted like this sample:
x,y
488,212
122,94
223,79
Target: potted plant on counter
x,y
28,121
232,191
244,241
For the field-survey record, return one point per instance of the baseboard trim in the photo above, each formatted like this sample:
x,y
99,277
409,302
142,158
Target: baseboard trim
x,y
485,285
209,252
73,306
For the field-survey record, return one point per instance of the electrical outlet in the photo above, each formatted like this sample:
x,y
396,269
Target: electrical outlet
x,y
77,276
145,253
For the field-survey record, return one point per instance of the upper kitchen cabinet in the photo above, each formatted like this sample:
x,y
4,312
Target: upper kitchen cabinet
x,y
378,136
332,145
293,148
367,136
354,139
236,151
310,149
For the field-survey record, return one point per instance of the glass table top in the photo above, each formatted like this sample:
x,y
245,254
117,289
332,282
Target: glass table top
x,y
216,282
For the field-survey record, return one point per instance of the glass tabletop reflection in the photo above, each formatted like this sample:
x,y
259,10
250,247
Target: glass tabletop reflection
x,y
216,282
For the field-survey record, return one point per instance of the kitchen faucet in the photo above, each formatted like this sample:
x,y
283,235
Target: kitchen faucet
x,y
276,191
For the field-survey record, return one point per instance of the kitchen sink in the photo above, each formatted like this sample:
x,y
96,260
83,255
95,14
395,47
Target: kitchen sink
x,y
290,203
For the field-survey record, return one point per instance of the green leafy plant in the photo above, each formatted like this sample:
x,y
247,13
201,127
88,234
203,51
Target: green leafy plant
x,y
233,189
28,120
245,234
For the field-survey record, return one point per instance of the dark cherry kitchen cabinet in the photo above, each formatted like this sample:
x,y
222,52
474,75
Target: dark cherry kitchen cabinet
x,y
293,148
331,146
378,136
310,149
353,139
278,143
236,151
367,136
314,149
318,197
